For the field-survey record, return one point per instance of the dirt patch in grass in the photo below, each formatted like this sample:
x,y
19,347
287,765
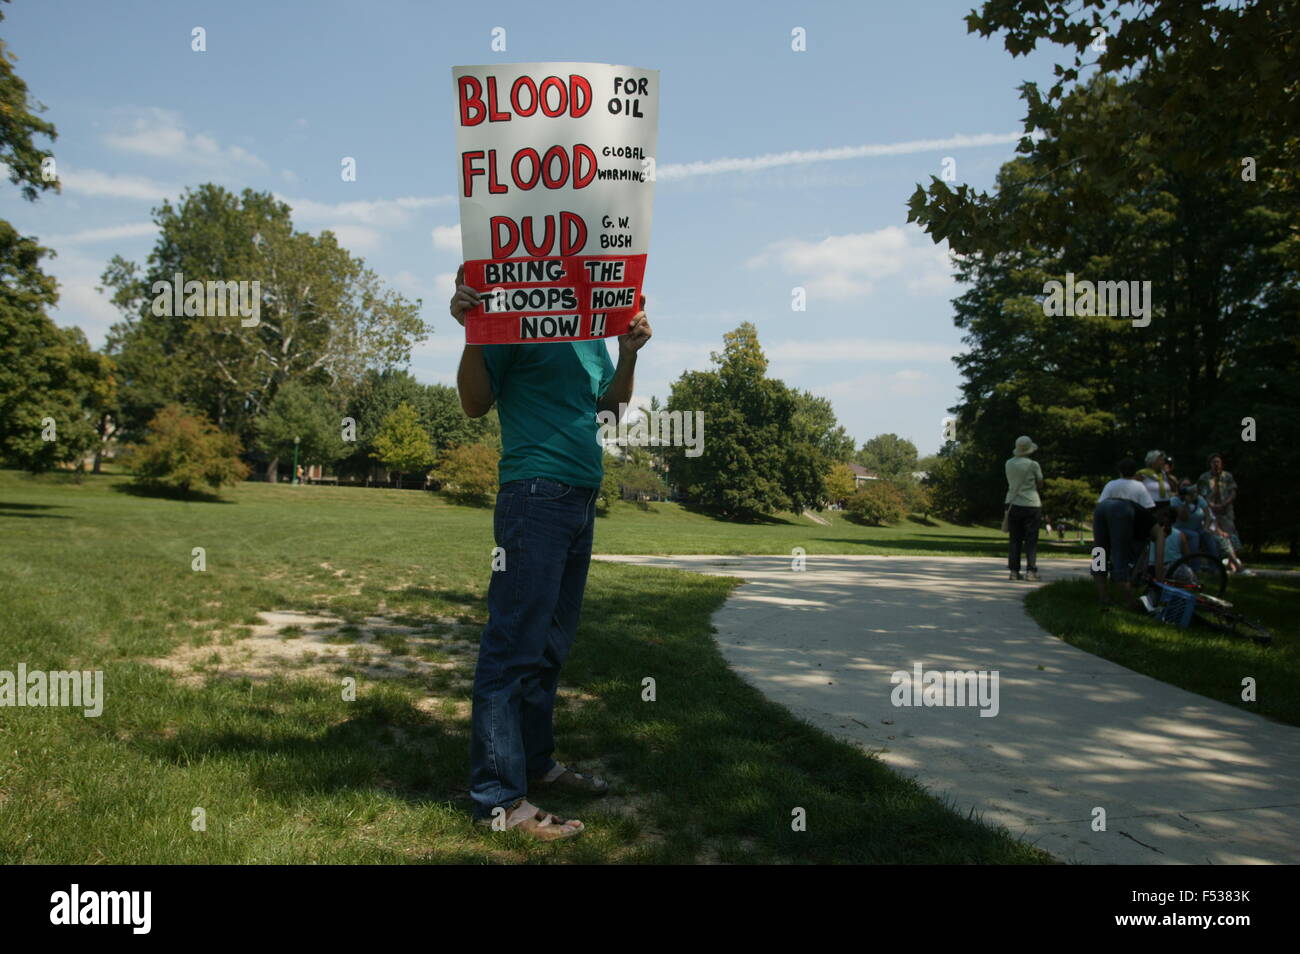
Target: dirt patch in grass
x,y
440,653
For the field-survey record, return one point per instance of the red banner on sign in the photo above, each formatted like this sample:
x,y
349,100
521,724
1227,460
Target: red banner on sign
x,y
534,300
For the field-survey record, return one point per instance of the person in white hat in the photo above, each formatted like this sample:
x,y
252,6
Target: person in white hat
x,y
1024,508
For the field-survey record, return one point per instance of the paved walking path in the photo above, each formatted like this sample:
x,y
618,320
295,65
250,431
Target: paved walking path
x,y
1183,779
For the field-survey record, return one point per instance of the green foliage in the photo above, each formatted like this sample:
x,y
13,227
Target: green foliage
x,y
639,482
839,483
610,490
917,497
438,406
948,498
18,125
47,374
1115,195
468,474
1221,67
308,414
875,503
630,476
1067,498
889,456
184,452
402,443
324,316
1211,83
815,423
763,449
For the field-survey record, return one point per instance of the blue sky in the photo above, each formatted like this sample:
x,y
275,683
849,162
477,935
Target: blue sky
x,y
882,94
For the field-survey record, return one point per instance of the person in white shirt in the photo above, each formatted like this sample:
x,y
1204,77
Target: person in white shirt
x,y
1121,521
1128,488
1024,507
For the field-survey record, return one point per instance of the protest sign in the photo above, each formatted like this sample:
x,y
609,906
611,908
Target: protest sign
x,y
556,185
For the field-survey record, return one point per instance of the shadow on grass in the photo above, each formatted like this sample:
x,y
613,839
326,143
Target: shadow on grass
x,y
714,769
744,520
169,493
386,745
923,521
719,766
23,511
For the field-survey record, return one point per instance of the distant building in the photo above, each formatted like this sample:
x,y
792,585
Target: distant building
x,y
861,475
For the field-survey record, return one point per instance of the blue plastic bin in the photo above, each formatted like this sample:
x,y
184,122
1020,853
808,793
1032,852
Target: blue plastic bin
x,y
1177,605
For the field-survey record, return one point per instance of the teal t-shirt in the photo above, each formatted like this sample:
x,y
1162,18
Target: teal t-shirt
x,y
546,398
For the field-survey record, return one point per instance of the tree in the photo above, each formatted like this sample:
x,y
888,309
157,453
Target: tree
x,y
889,456
53,387
875,503
450,426
944,485
308,414
402,444
815,419
1066,498
917,498
186,451
1176,162
1206,76
639,483
468,473
760,455
381,391
840,483
19,124
1218,344
610,488
321,314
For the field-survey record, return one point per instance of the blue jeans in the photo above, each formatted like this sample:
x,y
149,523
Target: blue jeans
x,y
1113,530
544,528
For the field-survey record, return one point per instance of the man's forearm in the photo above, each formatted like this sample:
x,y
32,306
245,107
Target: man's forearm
x,y
619,391
473,383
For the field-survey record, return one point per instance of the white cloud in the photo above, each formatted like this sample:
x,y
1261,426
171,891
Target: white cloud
x,y
880,387
682,170
446,342
160,134
109,233
79,303
859,349
107,185
841,267
446,238
355,238
386,212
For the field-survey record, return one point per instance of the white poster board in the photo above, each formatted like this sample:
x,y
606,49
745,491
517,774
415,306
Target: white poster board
x,y
556,184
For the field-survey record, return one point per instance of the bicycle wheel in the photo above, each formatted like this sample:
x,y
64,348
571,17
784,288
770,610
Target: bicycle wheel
x,y
1220,616
1250,629
1199,572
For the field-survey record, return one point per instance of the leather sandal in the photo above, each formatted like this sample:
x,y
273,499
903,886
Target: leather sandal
x,y
571,781
532,821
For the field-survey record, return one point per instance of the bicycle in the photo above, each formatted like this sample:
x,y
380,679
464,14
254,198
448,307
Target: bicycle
x,y
1193,589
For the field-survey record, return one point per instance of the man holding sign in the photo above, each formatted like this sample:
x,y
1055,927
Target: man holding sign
x,y
556,184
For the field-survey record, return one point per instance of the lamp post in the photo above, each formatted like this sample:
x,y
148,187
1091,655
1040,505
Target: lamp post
x,y
295,460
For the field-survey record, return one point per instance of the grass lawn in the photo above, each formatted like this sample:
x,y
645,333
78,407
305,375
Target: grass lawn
x,y
670,528
1194,659
287,771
